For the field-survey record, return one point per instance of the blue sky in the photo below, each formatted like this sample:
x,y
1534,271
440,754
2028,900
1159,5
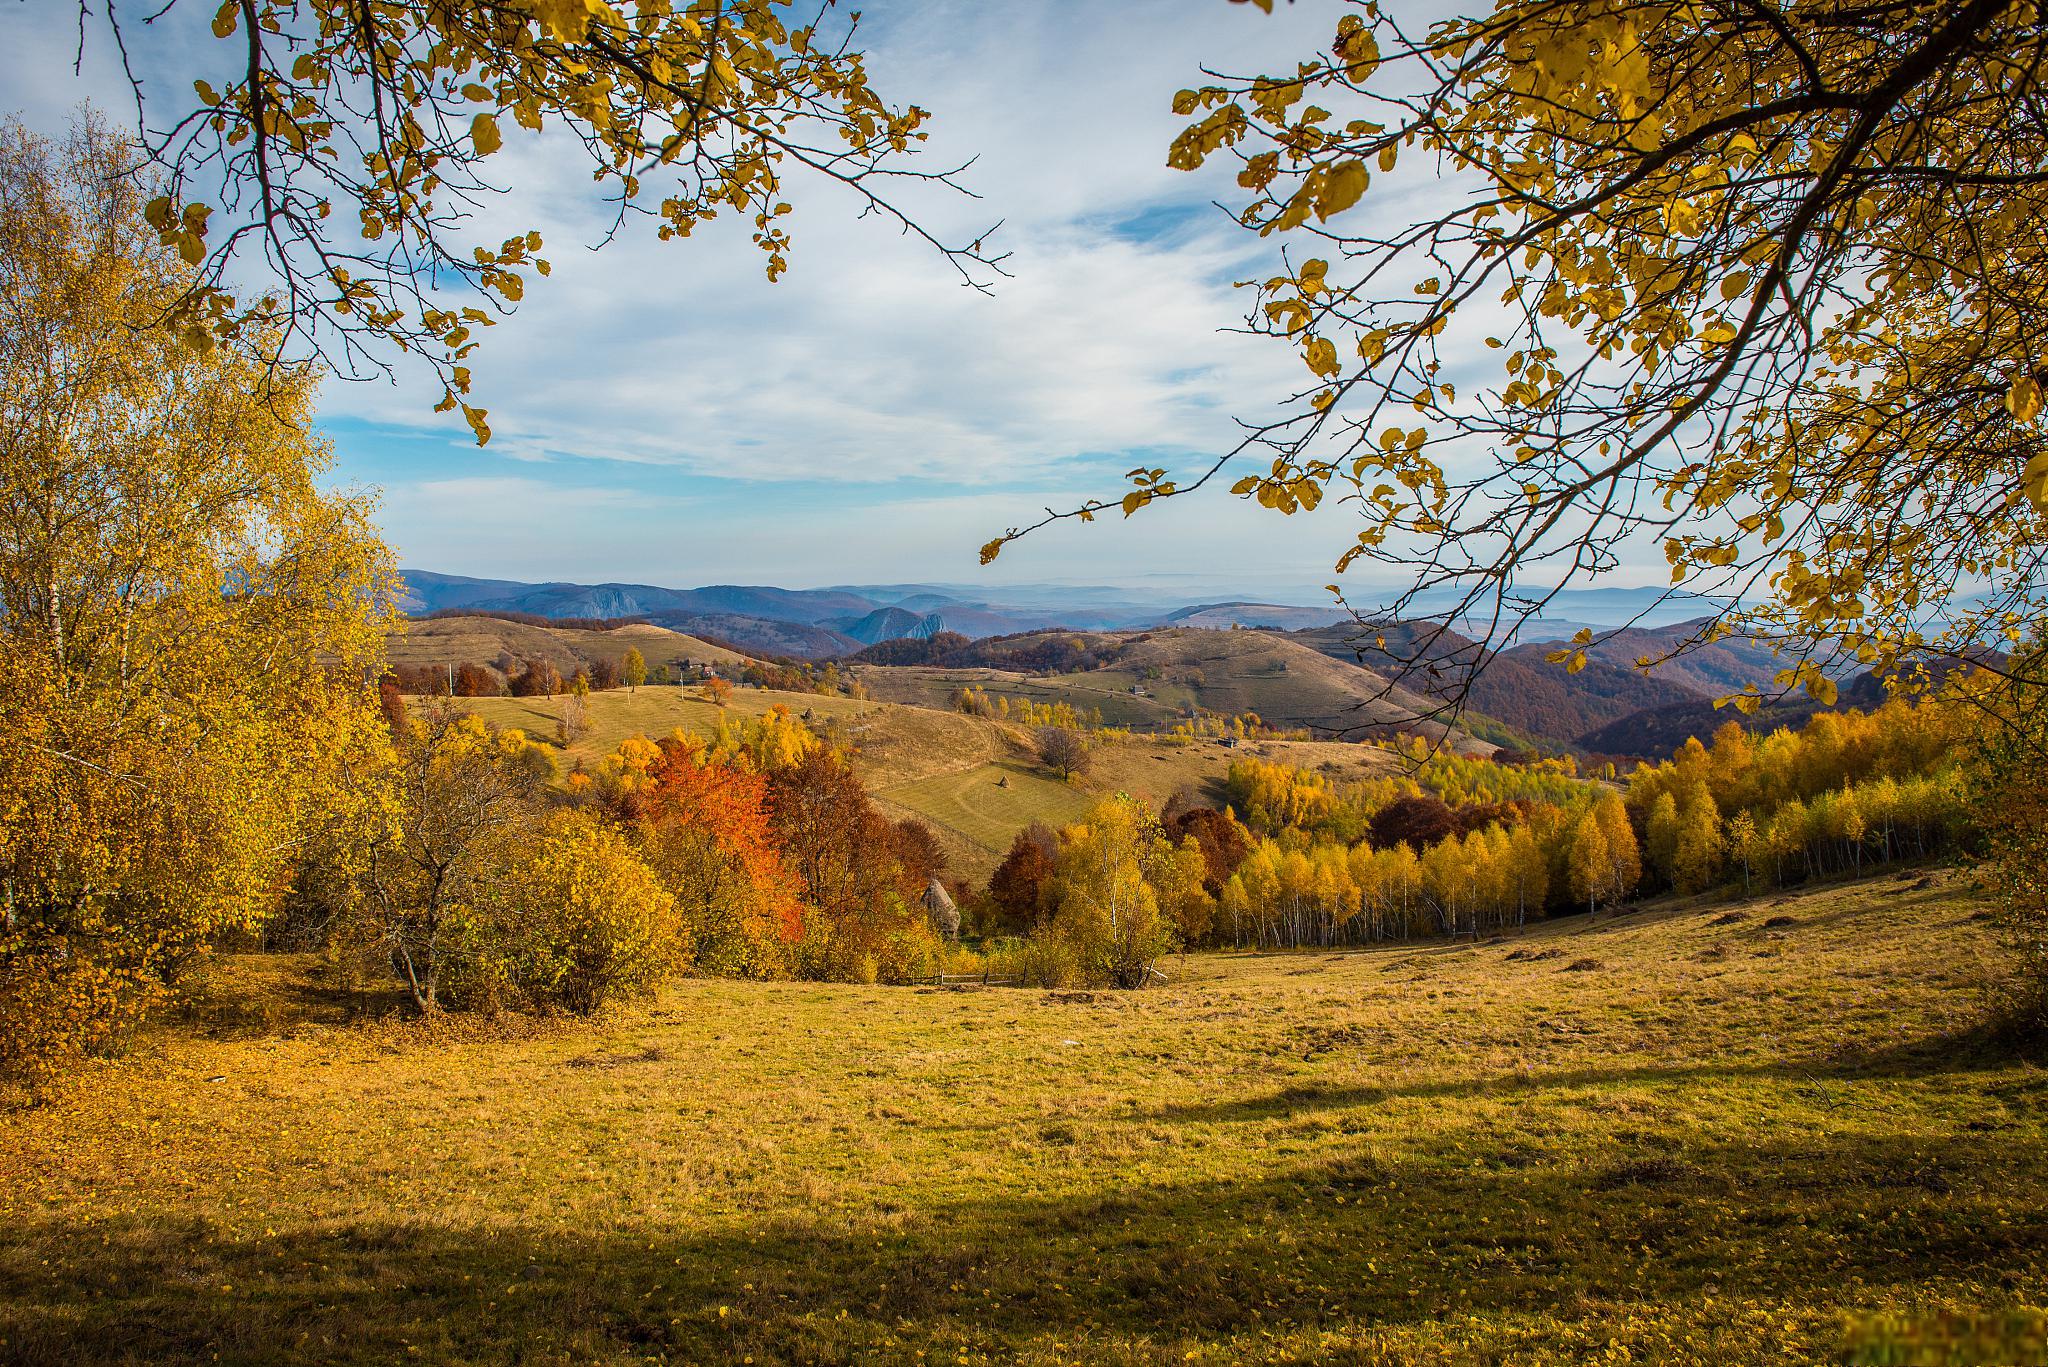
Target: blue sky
x,y
664,414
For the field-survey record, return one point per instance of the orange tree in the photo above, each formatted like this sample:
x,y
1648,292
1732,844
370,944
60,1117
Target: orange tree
x,y
703,827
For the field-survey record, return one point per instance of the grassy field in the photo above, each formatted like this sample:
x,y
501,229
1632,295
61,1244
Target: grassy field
x,y
989,804
1678,1137
485,640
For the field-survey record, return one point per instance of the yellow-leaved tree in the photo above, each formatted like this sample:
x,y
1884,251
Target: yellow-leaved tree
x,y
190,628
1103,908
1761,283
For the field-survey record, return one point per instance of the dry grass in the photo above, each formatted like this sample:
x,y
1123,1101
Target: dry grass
x,y
1727,1145
482,640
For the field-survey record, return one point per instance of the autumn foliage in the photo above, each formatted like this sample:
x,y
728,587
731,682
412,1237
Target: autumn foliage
x,y
189,625
703,827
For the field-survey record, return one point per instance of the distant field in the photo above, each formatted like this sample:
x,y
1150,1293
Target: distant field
x,y
455,641
1671,1138
988,805
939,766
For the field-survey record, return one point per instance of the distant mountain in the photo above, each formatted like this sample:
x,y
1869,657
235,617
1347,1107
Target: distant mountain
x,y
890,624
810,622
762,635
426,591
1563,613
1278,616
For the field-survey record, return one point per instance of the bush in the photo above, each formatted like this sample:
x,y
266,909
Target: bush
x,y
579,923
1037,961
906,951
57,1007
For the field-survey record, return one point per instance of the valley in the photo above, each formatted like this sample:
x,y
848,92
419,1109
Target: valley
x,y
973,780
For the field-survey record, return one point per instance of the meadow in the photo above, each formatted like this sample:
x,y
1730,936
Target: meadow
x,y
1701,1133
941,767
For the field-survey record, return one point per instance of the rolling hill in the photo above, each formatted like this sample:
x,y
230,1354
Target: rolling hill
x,y
1612,707
495,642
974,780
1517,688
1151,679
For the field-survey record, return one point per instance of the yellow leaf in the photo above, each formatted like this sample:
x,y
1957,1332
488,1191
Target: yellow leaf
x,y
1321,356
483,132
1343,186
2023,400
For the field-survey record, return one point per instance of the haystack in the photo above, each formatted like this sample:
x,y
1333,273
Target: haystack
x,y
938,904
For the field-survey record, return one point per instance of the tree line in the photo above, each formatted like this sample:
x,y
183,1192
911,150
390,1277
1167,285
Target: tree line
x,y
1296,858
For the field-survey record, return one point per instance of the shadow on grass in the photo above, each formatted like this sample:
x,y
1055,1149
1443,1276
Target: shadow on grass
x,y
1353,1244
1978,1047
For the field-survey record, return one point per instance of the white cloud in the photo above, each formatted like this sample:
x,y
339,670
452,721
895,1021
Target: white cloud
x,y
870,361
869,367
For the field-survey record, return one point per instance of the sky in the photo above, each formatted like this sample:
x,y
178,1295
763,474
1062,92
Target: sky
x,y
663,414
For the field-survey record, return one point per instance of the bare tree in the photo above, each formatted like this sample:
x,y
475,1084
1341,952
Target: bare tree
x,y
1063,750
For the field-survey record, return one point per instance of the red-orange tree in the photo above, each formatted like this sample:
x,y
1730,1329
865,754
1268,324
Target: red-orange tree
x,y
704,829
863,876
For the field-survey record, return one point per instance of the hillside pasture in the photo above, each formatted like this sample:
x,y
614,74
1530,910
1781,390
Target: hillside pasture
x,y
1698,1134
1290,685
939,766
490,641
987,805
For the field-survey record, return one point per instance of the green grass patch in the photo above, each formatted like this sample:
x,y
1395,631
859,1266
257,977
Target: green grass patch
x,y
989,804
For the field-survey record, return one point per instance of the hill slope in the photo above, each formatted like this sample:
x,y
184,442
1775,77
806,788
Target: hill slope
x,y
1518,688
973,780
493,641
1661,1139
1148,679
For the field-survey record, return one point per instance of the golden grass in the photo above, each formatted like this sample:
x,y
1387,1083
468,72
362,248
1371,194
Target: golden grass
x,y
987,805
482,640
1721,1143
